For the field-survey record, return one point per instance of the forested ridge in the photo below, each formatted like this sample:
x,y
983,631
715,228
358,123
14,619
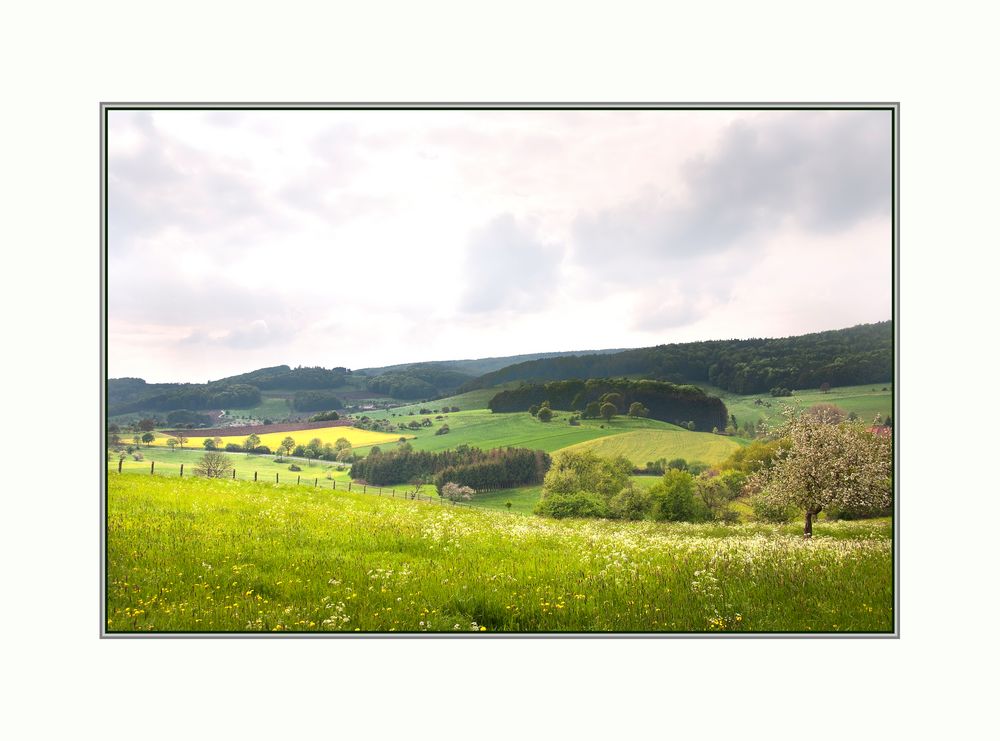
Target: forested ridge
x,y
664,401
843,357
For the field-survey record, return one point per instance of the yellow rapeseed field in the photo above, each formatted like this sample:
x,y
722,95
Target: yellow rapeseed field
x,y
356,437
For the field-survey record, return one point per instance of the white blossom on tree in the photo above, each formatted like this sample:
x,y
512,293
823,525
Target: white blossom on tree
x,y
829,464
454,492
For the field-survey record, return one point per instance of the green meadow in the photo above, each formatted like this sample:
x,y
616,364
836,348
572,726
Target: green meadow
x,y
640,446
484,429
215,555
865,401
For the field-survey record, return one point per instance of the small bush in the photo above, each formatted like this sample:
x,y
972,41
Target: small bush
x,y
578,504
631,503
293,467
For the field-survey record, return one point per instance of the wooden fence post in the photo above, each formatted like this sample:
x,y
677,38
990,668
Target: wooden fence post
x,y
182,470
364,488
348,485
152,465
234,474
316,481
276,477
254,475
120,464
299,480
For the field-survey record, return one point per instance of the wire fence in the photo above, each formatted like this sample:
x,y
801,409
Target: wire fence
x,y
295,479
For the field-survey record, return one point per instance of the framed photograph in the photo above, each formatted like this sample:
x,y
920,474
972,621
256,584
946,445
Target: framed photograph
x,y
484,370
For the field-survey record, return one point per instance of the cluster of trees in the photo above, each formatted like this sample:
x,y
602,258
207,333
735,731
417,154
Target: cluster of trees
x,y
611,396
500,468
662,465
340,451
858,355
187,418
417,381
543,411
582,484
314,401
325,417
466,466
817,462
377,425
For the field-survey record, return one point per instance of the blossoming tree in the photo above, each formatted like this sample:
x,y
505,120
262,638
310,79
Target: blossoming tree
x,y
829,464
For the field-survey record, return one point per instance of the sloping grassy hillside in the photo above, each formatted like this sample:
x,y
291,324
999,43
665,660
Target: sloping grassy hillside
x,y
865,401
641,446
197,555
484,429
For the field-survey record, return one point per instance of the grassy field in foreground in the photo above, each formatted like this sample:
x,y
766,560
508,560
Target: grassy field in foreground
x,y
231,556
641,446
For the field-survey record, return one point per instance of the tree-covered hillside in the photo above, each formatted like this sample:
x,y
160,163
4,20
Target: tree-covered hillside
x,y
664,401
843,357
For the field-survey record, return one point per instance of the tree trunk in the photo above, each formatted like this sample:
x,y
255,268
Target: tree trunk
x,y
809,523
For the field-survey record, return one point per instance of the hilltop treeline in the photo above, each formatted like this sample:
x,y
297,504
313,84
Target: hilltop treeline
x,y
418,381
165,397
287,378
843,357
500,468
665,401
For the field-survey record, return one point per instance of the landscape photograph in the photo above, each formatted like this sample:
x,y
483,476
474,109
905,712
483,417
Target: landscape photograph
x,y
481,370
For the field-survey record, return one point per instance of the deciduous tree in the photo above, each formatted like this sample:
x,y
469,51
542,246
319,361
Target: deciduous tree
x,y
828,465
214,465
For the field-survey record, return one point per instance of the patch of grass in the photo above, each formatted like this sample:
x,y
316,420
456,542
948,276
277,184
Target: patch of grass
x,y
467,401
168,463
641,446
273,408
203,555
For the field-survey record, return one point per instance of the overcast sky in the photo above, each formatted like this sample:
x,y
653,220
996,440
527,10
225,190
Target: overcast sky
x,y
360,238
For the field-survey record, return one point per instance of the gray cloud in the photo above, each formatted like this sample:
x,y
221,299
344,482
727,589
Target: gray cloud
x,y
255,334
820,171
166,184
508,268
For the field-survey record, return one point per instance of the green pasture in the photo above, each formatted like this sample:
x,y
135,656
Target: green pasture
x,y
486,430
467,401
865,401
270,407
